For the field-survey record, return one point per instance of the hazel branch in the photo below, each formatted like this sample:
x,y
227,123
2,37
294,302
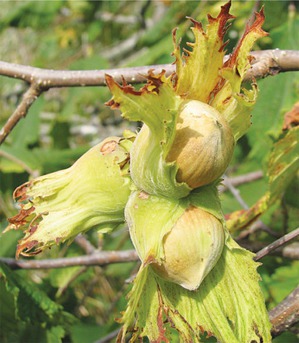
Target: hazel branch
x,y
267,62
32,93
276,244
282,317
96,259
236,193
31,172
240,180
285,314
102,258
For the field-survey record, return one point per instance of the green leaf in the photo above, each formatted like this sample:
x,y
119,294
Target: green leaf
x,y
8,243
283,163
27,130
55,334
38,159
277,94
87,333
280,283
61,277
228,305
32,305
7,312
283,166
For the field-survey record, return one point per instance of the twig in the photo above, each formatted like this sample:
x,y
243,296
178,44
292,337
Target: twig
x,y
73,278
291,251
33,173
257,225
255,9
105,257
97,259
84,243
32,93
235,192
109,337
241,179
279,242
285,314
267,62
272,62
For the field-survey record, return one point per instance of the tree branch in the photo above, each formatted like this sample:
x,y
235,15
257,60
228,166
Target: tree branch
x,y
282,317
101,258
240,180
32,93
266,62
285,314
31,172
279,242
96,259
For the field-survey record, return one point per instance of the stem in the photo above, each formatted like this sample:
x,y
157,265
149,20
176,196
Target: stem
x,y
279,242
285,314
97,259
266,62
28,99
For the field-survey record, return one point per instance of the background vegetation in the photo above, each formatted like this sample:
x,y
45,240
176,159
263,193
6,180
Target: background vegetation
x,y
79,304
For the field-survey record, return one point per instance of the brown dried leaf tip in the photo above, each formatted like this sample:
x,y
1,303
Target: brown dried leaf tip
x,y
291,118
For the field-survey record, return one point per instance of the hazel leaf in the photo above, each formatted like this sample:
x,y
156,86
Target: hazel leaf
x,y
282,168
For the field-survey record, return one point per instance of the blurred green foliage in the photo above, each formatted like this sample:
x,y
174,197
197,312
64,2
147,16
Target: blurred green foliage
x,y
64,123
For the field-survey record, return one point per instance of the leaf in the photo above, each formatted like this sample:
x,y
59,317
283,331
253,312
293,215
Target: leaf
x,y
27,130
228,305
8,243
277,94
283,281
32,305
38,159
55,334
87,333
60,278
283,166
7,313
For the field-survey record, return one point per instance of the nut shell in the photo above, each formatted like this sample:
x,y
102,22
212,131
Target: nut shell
x,y
191,248
203,145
